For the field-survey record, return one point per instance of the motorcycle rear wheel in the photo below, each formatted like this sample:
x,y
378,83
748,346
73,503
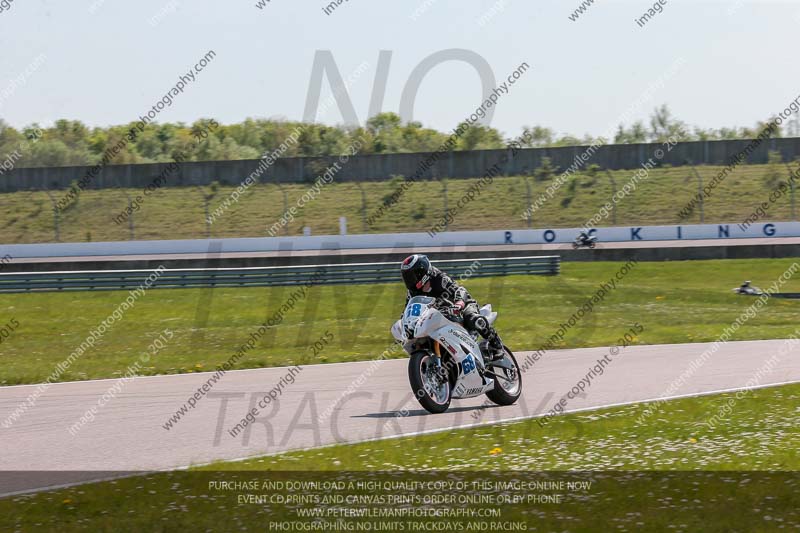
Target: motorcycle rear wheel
x,y
431,390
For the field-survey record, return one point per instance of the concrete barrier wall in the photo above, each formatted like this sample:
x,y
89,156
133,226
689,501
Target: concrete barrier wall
x,y
725,250
383,166
209,247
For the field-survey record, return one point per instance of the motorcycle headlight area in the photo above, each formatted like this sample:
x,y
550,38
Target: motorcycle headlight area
x,y
409,326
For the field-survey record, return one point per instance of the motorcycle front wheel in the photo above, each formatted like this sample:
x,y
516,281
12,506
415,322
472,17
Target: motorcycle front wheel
x,y
429,382
508,383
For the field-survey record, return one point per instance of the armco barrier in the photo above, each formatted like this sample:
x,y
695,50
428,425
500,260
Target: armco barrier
x,y
263,277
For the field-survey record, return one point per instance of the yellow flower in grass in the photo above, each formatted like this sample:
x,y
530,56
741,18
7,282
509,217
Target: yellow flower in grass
x,y
692,440
495,451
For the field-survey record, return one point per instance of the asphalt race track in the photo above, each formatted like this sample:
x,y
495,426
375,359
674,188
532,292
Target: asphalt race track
x,y
128,434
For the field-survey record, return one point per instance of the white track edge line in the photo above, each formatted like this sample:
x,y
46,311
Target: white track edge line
x,y
378,360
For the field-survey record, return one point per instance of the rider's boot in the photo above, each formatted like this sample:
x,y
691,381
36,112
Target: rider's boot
x,y
496,349
494,346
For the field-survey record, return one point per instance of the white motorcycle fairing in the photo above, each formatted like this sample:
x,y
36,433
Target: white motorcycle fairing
x,y
421,320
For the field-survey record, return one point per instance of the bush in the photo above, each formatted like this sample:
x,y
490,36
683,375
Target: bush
x,y
545,171
775,170
394,185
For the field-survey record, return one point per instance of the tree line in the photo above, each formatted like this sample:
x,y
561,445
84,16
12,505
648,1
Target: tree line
x,y
70,142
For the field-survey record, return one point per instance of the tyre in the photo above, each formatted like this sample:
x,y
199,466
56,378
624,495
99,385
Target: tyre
x,y
431,387
592,244
575,245
508,386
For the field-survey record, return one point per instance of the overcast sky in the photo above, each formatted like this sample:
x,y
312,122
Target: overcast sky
x,y
108,61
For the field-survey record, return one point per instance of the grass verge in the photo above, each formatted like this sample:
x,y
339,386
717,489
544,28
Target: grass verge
x,y
179,212
674,473
676,302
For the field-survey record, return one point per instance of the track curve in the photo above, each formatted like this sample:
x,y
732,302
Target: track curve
x,y
316,410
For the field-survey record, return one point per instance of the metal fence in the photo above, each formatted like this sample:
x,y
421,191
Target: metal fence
x,y
110,280
372,167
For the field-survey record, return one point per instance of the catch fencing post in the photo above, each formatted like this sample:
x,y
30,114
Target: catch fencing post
x,y
444,196
130,218
363,205
791,191
130,207
699,193
529,211
285,205
206,198
613,194
55,216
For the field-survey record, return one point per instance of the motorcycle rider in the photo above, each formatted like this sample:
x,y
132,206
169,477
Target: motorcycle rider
x,y
584,238
423,279
747,288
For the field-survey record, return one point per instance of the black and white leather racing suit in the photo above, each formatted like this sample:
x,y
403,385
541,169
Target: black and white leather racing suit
x,y
440,285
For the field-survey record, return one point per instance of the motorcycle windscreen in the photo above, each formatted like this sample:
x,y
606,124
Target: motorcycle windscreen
x,y
414,310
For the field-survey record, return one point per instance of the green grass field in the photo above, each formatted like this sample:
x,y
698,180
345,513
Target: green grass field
x,y
179,213
673,473
675,302
603,440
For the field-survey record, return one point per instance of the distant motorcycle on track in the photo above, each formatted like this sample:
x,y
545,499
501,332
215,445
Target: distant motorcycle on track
x,y
584,240
447,361
748,290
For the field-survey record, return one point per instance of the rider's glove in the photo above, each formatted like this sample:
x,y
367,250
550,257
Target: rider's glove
x,y
459,306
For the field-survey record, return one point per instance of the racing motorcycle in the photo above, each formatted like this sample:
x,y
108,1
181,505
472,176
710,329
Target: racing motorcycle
x,y
581,241
447,361
748,290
